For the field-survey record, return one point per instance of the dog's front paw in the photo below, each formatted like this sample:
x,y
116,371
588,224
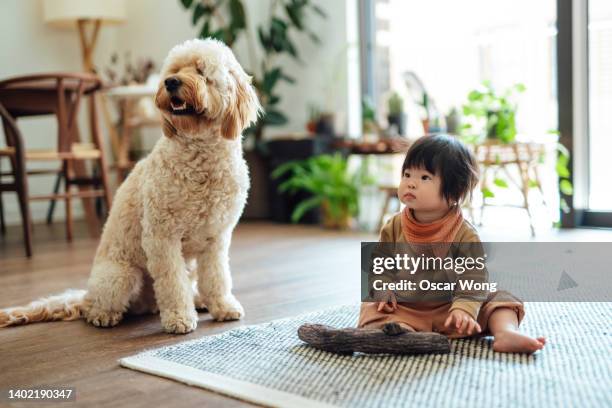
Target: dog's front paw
x,y
179,323
225,308
103,318
200,304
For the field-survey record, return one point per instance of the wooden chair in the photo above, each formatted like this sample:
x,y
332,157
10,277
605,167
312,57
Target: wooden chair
x,y
390,193
19,184
59,94
494,157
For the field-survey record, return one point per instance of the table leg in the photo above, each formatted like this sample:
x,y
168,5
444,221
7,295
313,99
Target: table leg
x,y
80,170
124,143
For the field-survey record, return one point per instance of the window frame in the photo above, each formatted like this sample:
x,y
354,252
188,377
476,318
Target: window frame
x,y
573,98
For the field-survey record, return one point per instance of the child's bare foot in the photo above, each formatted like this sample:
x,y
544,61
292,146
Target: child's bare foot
x,y
510,341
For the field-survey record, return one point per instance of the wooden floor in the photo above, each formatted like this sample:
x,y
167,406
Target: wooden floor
x,y
278,271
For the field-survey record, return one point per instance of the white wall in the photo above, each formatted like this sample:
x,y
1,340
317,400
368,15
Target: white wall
x,y
152,28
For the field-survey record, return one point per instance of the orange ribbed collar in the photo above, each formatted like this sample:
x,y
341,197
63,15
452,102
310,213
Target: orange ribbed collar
x,y
443,230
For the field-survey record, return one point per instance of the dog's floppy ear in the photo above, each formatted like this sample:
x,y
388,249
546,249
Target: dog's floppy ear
x,y
243,109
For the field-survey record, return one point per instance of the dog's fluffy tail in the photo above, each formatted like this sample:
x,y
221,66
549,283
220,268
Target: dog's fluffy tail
x,y
65,306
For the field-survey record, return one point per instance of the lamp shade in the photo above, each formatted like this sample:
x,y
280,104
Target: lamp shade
x,y
64,13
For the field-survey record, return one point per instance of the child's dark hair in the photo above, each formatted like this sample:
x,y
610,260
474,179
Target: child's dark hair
x,y
449,158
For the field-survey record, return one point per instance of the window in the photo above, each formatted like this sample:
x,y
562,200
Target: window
x,y
453,46
600,103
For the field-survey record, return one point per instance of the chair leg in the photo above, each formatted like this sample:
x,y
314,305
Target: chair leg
x,y
20,179
21,188
2,225
21,184
385,207
68,200
524,170
105,185
483,185
102,160
539,184
56,189
96,186
26,220
103,203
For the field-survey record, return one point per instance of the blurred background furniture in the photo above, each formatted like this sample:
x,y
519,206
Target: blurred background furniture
x,y
494,157
58,94
390,193
383,145
135,104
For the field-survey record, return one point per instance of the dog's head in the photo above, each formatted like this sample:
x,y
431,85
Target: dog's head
x,y
202,86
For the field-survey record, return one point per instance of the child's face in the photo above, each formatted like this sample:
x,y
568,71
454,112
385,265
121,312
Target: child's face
x,y
421,190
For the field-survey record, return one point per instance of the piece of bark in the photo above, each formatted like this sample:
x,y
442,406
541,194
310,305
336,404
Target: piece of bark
x,y
392,339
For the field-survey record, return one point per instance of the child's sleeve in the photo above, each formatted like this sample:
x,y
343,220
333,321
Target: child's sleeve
x,y
386,232
470,300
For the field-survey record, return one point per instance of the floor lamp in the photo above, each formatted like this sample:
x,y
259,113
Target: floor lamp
x,y
87,16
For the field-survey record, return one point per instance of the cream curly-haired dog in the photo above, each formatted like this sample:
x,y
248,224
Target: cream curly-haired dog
x,y
172,219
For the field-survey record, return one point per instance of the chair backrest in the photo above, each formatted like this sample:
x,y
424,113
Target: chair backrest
x,y
49,93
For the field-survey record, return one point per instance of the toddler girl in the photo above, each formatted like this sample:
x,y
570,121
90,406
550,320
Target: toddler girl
x,y
439,172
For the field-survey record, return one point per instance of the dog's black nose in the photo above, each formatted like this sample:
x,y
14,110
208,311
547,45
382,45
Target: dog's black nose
x,y
172,84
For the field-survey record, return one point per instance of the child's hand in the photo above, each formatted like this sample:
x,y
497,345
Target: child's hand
x,y
462,322
388,303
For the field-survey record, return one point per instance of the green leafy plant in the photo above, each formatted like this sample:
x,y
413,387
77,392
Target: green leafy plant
x,y
332,187
368,115
499,116
563,172
227,21
395,104
223,20
495,118
494,112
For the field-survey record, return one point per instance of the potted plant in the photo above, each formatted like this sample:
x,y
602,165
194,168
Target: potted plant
x,y
368,117
333,188
396,116
320,122
314,114
276,38
494,112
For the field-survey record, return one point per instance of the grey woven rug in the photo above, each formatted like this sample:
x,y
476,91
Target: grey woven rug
x,y
267,364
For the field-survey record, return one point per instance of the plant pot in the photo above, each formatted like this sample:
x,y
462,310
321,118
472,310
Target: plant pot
x,y
258,204
325,125
311,126
329,221
281,151
452,122
398,120
425,123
